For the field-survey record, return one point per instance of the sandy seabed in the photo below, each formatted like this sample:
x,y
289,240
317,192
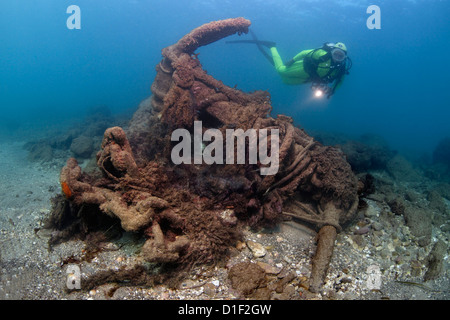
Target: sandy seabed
x,y
29,270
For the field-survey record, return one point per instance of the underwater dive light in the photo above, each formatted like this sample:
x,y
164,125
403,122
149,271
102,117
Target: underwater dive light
x,y
319,89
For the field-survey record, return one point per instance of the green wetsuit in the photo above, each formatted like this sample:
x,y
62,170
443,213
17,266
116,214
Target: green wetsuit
x,y
295,73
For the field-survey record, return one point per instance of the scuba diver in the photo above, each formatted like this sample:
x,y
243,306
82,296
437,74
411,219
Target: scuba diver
x,y
324,67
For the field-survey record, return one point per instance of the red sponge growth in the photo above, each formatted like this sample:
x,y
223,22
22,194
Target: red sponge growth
x,y
66,190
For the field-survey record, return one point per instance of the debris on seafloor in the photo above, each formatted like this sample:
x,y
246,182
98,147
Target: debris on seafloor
x,y
192,214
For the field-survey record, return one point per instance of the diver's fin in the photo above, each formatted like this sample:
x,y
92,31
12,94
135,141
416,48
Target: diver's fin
x,y
260,48
259,44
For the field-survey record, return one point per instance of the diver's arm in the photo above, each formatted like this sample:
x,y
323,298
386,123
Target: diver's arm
x,y
336,85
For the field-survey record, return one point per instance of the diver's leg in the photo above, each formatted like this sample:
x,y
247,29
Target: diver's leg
x,y
278,62
292,72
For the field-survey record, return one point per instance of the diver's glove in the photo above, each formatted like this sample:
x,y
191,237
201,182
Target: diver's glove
x,y
329,92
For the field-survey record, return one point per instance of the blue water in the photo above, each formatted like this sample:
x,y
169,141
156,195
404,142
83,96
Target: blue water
x,y
397,88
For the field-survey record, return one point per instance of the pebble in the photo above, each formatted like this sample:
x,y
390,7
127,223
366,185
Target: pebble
x,y
209,289
240,245
370,212
377,226
269,269
215,283
256,248
391,247
362,230
376,241
287,259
